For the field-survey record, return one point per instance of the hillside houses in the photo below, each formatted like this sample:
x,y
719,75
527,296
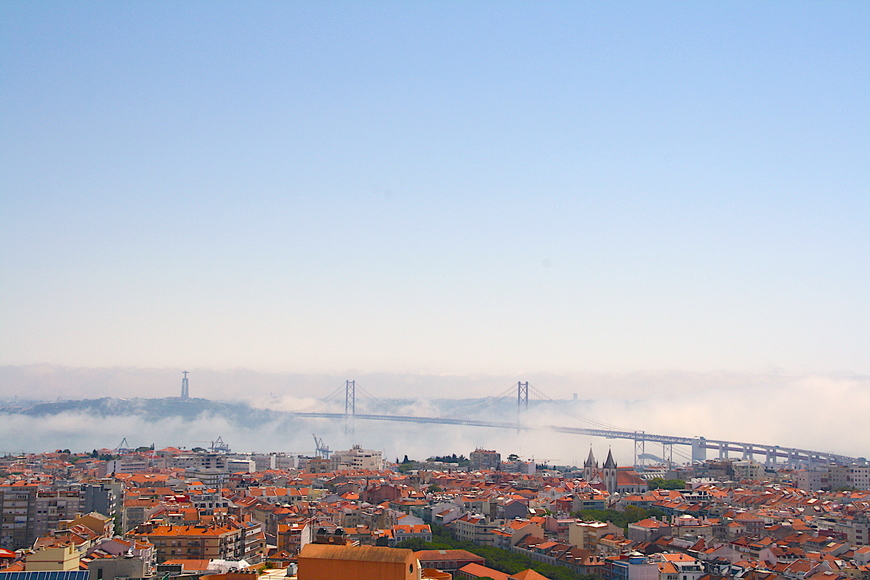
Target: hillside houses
x,y
165,511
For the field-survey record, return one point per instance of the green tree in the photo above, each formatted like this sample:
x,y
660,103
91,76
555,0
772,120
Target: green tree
x,y
496,558
630,515
406,467
661,483
461,460
415,544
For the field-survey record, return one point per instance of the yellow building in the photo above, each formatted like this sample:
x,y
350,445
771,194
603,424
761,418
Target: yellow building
x,y
101,525
586,535
331,562
54,559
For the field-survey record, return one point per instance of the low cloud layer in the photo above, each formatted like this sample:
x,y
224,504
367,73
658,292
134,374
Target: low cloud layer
x,y
820,412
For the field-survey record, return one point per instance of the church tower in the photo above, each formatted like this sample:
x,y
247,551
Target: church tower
x,y
590,468
609,473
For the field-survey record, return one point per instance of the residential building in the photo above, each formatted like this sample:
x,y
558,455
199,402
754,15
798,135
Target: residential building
x,y
356,458
117,567
586,535
648,530
53,507
448,560
18,509
198,542
812,479
849,477
53,559
126,464
632,566
402,532
474,528
103,497
747,469
678,567
481,459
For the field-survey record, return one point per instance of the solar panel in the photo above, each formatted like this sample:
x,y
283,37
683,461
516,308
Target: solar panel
x,y
58,575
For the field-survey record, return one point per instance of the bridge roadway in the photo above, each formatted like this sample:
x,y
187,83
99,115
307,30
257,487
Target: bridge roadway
x,y
699,445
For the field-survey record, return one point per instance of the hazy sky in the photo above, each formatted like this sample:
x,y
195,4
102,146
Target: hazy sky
x,y
436,187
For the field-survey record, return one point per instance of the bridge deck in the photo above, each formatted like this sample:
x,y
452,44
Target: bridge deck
x,y
749,449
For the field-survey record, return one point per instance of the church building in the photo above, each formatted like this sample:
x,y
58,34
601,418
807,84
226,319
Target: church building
x,y
621,480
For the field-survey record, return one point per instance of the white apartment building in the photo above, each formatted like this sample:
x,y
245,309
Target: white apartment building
x,y
357,458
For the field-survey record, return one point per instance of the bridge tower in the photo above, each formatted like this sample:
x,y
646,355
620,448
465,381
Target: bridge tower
x,y
668,454
522,401
349,406
185,390
699,450
522,396
639,447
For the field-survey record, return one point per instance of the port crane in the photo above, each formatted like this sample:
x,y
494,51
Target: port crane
x,y
321,450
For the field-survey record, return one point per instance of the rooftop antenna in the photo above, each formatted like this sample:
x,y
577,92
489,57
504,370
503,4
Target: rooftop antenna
x,y
185,391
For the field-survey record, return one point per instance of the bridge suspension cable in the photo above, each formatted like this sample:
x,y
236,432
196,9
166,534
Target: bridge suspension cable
x,y
504,397
560,408
329,400
371,400
488,402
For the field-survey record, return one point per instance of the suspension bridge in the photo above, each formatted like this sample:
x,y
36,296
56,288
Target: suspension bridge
x,y
342,404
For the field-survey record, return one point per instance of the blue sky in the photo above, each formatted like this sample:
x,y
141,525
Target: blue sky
x,y
442,188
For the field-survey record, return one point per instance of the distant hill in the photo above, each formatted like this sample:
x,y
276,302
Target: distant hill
x,y
151,409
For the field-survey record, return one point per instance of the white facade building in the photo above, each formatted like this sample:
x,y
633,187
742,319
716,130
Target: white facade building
x,y
357,458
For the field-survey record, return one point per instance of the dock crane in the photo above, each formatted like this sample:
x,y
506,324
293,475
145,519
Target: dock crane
x,y
123,447
321,450
219,446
